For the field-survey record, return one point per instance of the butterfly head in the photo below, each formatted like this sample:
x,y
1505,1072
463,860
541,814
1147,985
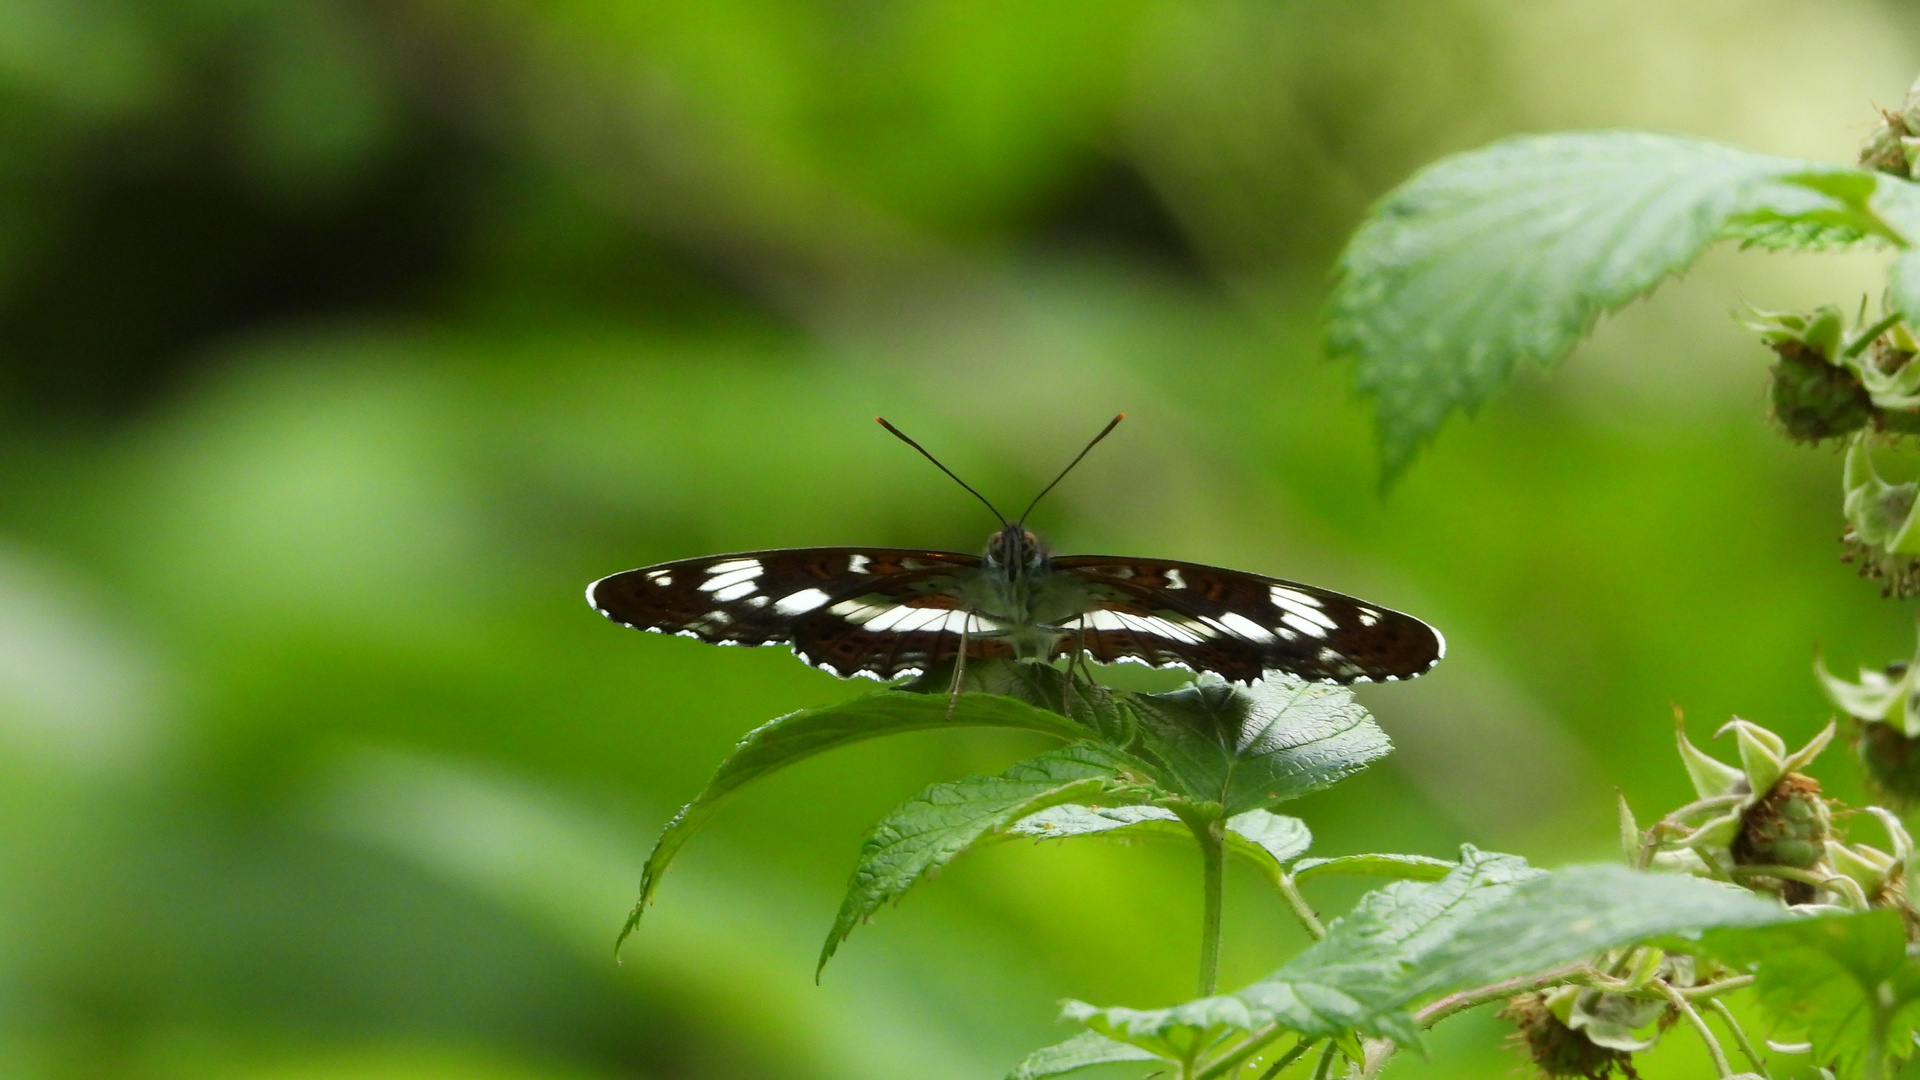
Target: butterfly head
x,y
1016,548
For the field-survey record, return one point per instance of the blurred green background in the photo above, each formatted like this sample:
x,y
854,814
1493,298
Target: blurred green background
x,y
342,343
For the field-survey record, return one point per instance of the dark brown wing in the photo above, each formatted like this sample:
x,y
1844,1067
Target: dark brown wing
x,y
879,612
1242,626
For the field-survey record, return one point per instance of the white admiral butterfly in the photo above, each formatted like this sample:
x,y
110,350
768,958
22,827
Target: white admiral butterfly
x,y
887,612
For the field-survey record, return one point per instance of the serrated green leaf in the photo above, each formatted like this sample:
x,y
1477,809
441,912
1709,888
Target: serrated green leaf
x,y
1246,749
935,827
1068,821
1511,252
1407,867
1491,917
1266,839
1581,910
1833,979
1357,978
1084,1050
1345,982
1096,706
1180,1033
797,736
1283,838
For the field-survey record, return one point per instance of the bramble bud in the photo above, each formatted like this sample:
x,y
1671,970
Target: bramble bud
x,y
1891,760
1880,533
1790,826
1557,1049
1813,399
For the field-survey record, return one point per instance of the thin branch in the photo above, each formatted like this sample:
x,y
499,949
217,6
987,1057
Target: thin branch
x,y
1325,1068
1480,995
1247,1049
1740,1037
1290,892
1287,1058
1700,1028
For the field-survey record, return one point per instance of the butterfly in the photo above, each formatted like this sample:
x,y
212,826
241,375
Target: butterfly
x,y
889,612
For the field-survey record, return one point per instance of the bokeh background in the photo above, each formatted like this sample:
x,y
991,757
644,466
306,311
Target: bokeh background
x,y
342,343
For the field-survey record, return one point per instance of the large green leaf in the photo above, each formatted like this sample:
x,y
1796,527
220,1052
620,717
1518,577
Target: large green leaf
x,y
1357,977
1248,749
937,825
1578,911
1833,979
1268,840
797,736
1491,917
1179,1033
1511,252
1350,980
1084,1050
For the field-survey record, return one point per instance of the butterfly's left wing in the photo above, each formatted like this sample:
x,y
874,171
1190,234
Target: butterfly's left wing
x,y
1239,625
879,612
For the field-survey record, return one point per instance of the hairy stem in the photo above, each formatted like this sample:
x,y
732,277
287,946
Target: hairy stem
x,y
1287,1058
1325,1068
1212,874
1739,1037
1290,892
1721,1066
1480,995
1225,1064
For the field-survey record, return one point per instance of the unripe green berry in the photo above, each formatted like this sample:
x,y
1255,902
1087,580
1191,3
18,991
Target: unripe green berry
x,y
1788,827
1814,399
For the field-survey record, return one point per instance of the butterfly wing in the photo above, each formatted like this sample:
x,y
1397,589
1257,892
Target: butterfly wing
x,y
1240,625
878,612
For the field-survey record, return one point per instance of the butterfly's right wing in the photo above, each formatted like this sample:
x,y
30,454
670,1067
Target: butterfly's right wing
x,y
878,612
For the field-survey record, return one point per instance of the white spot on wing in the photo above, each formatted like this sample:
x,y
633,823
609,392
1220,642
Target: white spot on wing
x,y
1286,597
732,566
734,591
1311,629
662,578
1245,627
857,564
1368,616
719,582
1174,580
801,602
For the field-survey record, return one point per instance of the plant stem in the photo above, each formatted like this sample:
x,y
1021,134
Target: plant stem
x,y
1287,1058
1480,995
1227,1063
1739,1036
1721,1066
1212,873
1325,1068
1290,891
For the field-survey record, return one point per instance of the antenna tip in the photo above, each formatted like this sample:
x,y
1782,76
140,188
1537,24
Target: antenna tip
x,y
1119,418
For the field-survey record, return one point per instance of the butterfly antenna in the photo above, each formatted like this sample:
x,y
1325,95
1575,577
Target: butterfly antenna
x,y
1104,432
905,438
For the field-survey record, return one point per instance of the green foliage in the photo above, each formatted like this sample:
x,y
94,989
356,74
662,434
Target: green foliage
x,y
1410,867
797,736
1248,749
1086,1049
1510,253
1491,917
943,821
1847,983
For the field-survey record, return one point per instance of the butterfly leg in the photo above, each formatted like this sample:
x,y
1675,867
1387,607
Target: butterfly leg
x,y
959,665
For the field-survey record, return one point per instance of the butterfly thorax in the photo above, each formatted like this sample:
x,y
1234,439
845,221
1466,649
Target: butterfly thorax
x,y
1020,594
